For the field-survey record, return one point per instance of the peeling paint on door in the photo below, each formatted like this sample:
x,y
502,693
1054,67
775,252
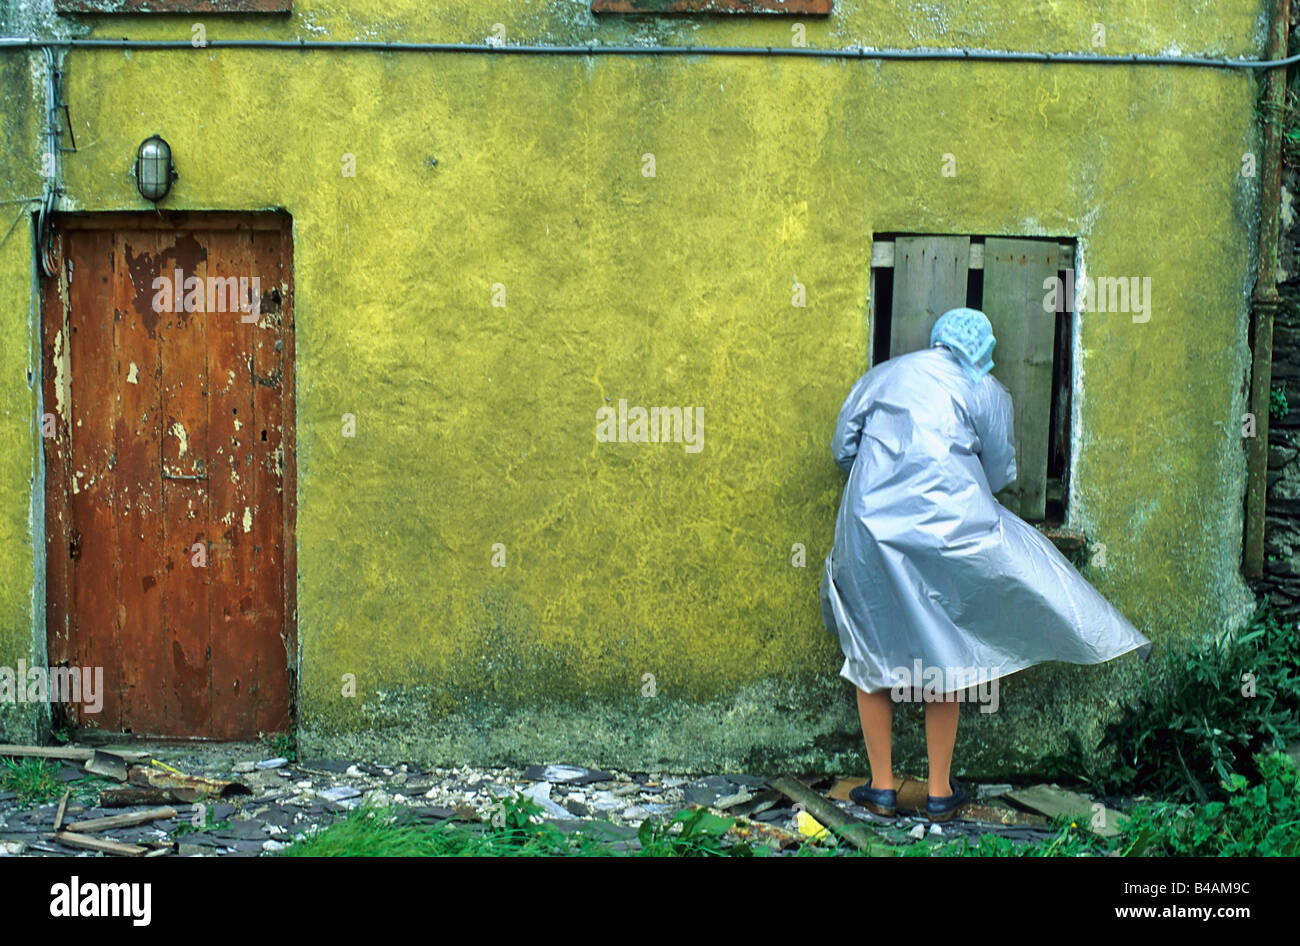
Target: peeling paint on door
x,y
186,651
178,431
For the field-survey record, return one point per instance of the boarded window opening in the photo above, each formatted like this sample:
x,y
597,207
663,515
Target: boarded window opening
x,y
916,278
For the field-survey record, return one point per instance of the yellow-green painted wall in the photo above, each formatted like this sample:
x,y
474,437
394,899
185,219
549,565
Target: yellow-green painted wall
x,y
475,423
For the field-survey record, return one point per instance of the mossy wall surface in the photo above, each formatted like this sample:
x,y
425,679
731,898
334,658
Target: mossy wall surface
x,y
502,265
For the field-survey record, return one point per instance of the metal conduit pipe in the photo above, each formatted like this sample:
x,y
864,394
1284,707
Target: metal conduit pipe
x,y
595,49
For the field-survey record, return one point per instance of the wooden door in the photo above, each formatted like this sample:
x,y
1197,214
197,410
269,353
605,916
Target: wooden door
x,y
170,469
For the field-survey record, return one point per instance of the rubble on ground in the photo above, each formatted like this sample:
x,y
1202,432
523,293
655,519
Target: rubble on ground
x,y
232,801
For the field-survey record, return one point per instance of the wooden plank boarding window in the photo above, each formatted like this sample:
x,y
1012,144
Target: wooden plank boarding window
x,y
916,278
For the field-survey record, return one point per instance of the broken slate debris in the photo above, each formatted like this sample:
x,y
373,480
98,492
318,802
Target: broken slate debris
x,y
273,802
714,788
565,774
541,794
339,793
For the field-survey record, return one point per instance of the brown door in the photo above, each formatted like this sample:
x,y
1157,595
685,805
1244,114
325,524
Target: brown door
x,y
169,449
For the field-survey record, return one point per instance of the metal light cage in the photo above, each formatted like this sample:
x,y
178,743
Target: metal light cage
x,y
154,171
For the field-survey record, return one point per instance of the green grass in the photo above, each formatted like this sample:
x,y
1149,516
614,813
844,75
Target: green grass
x,y
1199,718
35,783
32,779
1260,820
280,745
85,791
1256,820
513,829
187,826
1070,840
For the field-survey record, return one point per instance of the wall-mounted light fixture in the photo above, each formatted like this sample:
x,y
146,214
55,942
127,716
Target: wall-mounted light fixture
x,y
154,171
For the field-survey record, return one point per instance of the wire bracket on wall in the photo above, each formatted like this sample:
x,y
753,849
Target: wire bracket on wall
x,y
59,103
52,168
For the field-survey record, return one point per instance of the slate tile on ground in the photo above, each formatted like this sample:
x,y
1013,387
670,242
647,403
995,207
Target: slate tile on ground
x,y
247,848
339,793
566,774
708,790
325,765
1052,801
202,838
70,773
279,817
432,813
242,830
598,829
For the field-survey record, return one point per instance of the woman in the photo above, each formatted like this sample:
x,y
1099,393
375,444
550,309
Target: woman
x,y
928,571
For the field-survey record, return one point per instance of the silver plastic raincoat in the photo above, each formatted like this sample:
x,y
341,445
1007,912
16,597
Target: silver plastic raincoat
x,y
928,570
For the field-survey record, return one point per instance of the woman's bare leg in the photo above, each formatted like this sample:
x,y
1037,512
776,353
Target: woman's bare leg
x,y
876,710
940,737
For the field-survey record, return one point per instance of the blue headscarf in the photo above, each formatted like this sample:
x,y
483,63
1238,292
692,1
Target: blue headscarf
x,y
969,335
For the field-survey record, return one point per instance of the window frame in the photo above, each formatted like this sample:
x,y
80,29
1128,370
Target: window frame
x,y
1060,421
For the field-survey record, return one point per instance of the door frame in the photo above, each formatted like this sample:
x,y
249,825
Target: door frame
x,y
57,475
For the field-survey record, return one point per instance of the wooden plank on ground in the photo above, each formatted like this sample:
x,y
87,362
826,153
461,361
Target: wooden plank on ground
x,y
98,844
122,821
63,752
849,828
135,795
1014,273
912,791
63,807
1057,803
929,279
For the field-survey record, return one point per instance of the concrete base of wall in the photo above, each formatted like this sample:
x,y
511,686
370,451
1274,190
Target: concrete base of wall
x,y
766,728
24,723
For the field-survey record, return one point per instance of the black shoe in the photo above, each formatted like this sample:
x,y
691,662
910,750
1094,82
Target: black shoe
x,y
943,807
879,801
